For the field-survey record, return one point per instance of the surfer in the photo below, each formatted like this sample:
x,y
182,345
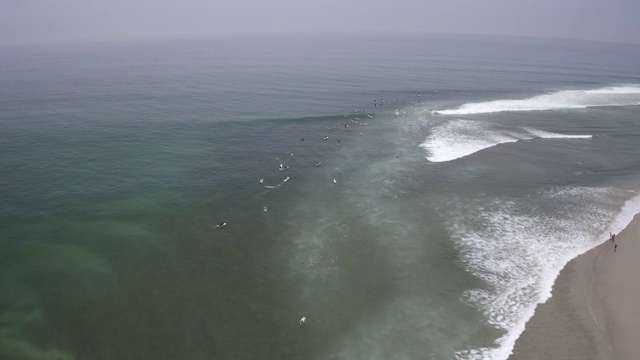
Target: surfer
x,y
261,180
221,225
335,181
319,163
265,209
285,179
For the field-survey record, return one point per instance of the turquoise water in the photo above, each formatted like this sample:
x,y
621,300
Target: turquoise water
x,y
457,199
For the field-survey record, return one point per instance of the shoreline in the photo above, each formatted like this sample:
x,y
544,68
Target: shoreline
x,y
594,311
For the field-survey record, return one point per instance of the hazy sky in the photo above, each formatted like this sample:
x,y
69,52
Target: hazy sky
x,y
52,21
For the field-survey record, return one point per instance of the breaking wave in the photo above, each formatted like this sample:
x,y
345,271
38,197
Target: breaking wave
x,y
459,138
566,99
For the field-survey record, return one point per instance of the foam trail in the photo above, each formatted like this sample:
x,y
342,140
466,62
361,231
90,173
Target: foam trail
x,y
616,90
520,253
459,138
567,99
549,135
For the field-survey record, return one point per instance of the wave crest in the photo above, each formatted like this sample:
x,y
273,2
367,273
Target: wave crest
x,y
567,99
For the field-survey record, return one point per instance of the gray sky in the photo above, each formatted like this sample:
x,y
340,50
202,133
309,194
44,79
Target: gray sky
x,y
53,21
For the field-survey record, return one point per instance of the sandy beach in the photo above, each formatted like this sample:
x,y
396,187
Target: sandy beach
x,y
594,312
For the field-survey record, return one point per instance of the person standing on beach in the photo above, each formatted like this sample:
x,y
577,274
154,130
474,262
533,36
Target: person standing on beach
x,y
615,247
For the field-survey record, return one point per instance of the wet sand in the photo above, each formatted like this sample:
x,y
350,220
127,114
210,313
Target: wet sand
x,y
594,313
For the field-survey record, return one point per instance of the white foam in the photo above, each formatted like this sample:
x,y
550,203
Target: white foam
x,y
549,135
616,90
459,138
567,99
629,210
520,251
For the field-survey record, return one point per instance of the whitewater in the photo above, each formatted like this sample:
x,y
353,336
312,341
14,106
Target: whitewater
x,y
565,99
535,244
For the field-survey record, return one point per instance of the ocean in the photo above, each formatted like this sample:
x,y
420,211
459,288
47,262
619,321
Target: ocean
x,y
410,196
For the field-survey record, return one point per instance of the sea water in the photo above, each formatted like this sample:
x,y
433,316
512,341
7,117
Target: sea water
x,y
431,189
